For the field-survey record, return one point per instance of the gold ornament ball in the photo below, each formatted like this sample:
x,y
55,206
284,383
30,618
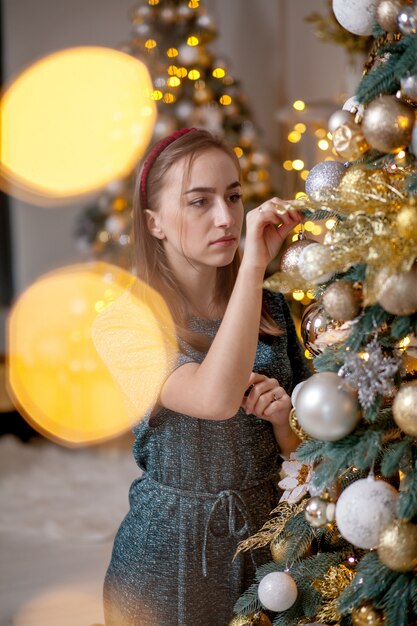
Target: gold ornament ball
x,y
341,300
388,123
314,322
386,14
253,619
278,549
407,221
366,615
398,293
397,547
349,141
404,408
291,255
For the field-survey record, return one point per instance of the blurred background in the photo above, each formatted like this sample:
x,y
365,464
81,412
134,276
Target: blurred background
x,y
280,83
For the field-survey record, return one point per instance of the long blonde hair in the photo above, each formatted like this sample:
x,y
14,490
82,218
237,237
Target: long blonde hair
x,y
152,263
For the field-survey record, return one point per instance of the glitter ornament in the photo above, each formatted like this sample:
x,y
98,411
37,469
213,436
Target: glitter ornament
x,y
370,372
366,615
337,119
386,14
252,619
349,141
407,20
341,300
397,547
291,255
325,408
398,293
277,591
407,220
356,16
364,509
312,263
409,87
324,176
314,322
387,124
404,408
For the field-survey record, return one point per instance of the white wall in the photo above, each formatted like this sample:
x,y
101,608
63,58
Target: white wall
x,y
270,49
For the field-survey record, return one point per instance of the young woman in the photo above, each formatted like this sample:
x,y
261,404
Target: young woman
x,y
209,453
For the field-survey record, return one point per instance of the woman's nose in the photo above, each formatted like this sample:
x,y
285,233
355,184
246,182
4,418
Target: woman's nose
x,y
223,214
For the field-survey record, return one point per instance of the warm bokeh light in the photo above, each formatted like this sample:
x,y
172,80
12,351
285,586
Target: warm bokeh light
x,y
299,105
86,353
298,164
74,121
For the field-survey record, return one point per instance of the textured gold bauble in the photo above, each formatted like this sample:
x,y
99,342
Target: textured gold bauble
x,y
279,549
290,256
295,426
407,221
387,124
404,408
366,615
341,300
397,547
386,14
349,141
253,619
398,294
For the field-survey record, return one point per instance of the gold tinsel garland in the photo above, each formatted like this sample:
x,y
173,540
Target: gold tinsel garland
x,y
272,527
368,202
335,580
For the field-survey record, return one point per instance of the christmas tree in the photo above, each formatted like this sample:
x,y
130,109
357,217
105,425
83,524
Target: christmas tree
x,y
343,538
192,87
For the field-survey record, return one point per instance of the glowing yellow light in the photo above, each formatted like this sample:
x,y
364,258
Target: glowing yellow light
x,y
320,133
304,174
330,223
308,225
298,164
173,81
400,155
193,40
316,230
150,43
294,137
194,4
157,94
238,150
307,354
329,158
182,72
218,72
300,195
172,53
298,294
153,2
78,134
299,105
329,136
66,381
119,204
287,165
298,228
404,342
323,144
294,238
172,70
225,100
310,294
300,128
194,74
169,98
364,356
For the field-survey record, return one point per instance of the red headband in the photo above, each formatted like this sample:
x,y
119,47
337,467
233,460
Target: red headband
x,y
153,155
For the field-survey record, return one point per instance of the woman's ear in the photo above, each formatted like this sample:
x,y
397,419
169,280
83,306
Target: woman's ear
x,y
153,224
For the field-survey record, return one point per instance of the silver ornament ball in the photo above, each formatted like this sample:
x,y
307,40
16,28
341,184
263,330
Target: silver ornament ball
x,y
326,409
323,177
407,20
356,16
338,118
409,87
315,512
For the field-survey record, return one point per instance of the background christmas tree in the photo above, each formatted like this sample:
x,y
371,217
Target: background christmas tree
x,y
344,536
192,87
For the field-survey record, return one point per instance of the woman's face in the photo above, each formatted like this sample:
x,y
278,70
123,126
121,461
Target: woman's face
x,y
200,212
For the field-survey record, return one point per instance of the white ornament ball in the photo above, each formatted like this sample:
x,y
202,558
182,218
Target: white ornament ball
x,y
356,16
338,118
364,509
295,391
277,591
326,409
311,261
324,176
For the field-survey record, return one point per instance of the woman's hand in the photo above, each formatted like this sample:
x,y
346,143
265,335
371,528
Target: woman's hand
x,y
266,231
267,400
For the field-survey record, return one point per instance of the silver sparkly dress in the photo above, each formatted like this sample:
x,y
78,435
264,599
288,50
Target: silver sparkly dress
x,y
206,485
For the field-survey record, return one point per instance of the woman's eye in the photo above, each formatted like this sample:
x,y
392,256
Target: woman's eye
x,y
235,197
199,202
